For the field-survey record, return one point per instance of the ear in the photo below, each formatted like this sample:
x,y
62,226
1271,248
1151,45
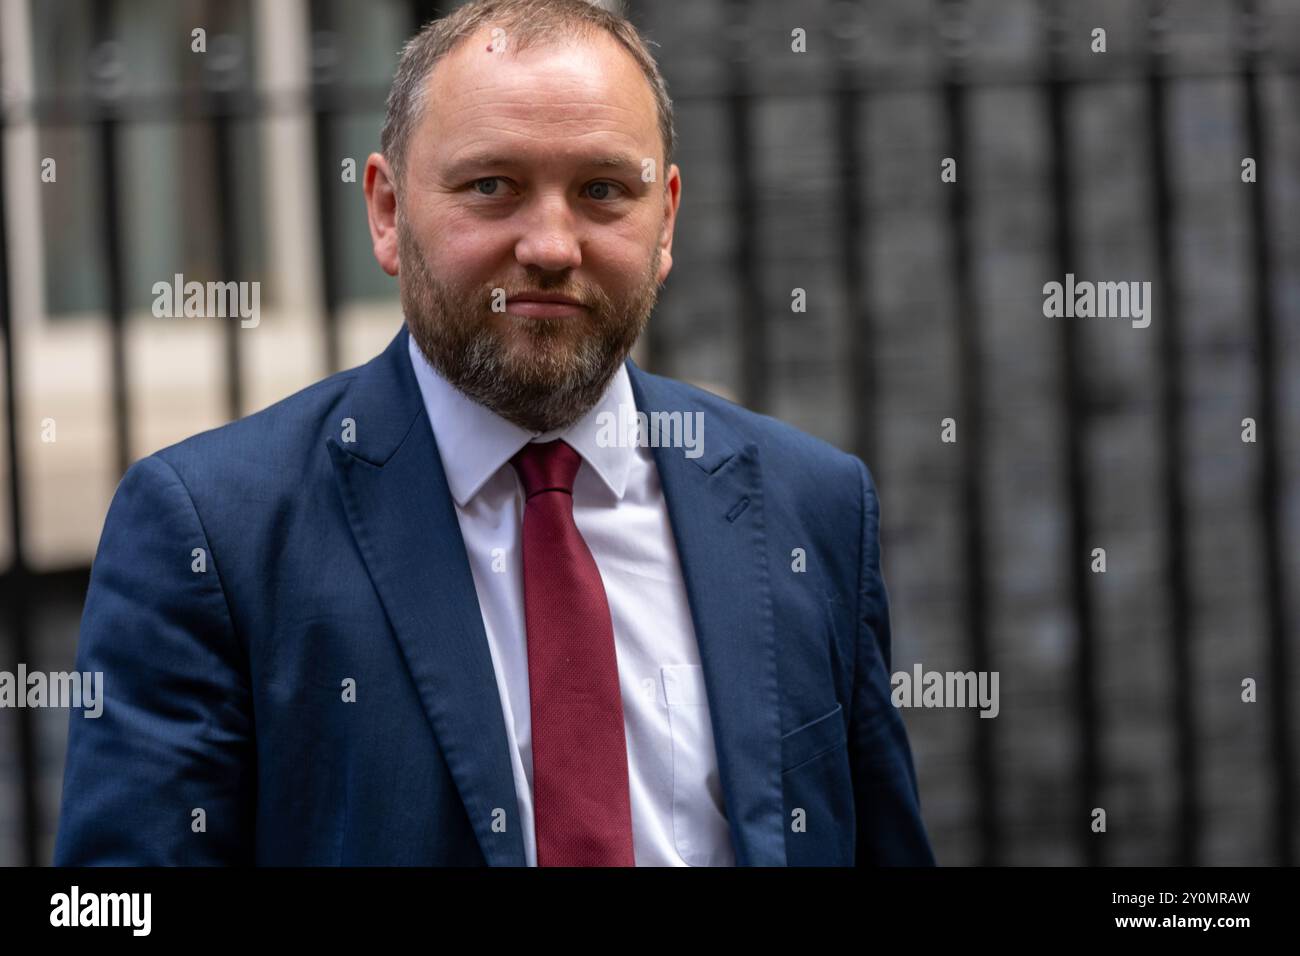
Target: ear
x,y
672,198
381,211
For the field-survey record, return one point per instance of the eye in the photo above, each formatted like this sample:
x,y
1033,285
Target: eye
x,y
604,187
488,181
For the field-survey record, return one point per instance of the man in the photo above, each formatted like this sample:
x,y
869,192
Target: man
x,y
445,608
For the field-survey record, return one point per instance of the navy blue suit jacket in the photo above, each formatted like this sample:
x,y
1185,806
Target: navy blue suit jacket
x,y
327,559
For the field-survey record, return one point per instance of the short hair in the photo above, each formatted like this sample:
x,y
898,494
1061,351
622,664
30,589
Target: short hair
x,y
527,23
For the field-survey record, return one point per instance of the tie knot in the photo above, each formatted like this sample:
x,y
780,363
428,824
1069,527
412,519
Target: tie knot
x,y
546,466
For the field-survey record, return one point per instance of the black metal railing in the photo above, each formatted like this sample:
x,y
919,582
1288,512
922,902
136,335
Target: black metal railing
x,y
328,99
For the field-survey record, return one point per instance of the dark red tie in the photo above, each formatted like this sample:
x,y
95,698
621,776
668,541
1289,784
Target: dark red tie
x,y
582,811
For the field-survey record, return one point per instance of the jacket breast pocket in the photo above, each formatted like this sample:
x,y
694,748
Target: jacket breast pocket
x,y
700,832
818,786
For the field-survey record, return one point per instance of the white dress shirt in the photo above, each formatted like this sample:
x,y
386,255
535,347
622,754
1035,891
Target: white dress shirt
x,y
678,817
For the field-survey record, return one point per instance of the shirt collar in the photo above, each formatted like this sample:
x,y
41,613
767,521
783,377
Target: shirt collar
x,y
475,442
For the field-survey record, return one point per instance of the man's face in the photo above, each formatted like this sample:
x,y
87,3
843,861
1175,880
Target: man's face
x,y
525,175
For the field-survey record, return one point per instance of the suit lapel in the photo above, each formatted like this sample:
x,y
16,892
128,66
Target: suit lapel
x,y
395,494
715,506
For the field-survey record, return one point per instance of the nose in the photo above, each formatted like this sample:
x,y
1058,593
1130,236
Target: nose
x,y
549,241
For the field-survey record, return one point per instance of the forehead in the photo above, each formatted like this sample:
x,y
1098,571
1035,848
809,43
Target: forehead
x,y
547,101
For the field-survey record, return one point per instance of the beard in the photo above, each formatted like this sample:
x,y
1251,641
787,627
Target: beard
x,y
539,373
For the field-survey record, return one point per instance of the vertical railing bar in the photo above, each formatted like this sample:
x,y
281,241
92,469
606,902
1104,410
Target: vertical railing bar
x,y
1268,491
859,332
1088,769
1173,455
324,107
970,448
752,326
113,238
227,223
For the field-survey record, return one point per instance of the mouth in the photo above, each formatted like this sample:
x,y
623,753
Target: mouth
x,y
544,305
